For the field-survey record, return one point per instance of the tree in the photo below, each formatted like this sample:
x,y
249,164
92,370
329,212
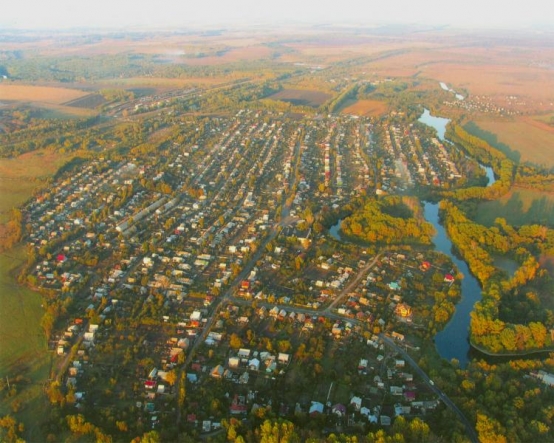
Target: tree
x,y
489,430
235,341
171,377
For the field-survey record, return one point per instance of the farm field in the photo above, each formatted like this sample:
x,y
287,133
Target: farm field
x,y
24,357
232,55
23,347
368,108
161,83
302,97
21,175
90,101
498,81
44,94
518,207
532,139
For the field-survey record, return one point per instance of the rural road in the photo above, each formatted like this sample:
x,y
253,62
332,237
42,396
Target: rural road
x,y
353,283
449,403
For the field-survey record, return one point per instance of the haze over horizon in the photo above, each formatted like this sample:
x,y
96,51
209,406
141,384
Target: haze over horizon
x,y
68,14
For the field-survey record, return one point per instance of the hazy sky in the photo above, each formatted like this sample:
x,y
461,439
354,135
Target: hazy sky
x,y
160,13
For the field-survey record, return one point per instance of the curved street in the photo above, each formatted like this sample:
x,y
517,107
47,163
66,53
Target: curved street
x,y
449,403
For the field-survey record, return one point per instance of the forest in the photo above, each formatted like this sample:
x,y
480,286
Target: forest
x,y
388,220
493,321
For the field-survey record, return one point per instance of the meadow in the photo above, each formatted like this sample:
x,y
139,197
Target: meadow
x,y
23,347
530,138
20,176
519,207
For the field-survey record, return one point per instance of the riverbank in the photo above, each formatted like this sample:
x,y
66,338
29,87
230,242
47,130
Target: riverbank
x,y
511,354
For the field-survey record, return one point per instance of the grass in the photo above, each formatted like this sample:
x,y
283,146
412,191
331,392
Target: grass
x,y
526,137
20,176
23,346
519,207
492,139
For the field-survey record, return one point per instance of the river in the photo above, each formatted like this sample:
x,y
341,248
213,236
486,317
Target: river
x,y
452,341
439,123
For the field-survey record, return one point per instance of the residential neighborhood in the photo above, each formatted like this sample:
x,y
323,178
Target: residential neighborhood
x,y
204,271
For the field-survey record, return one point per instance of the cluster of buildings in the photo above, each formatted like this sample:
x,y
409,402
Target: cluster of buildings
x,y
159,241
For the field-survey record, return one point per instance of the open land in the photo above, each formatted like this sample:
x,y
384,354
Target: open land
x,y
303,97
368,108
20,176
30,93
531,138
519,207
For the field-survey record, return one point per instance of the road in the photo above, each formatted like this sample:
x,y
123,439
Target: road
x,y
354,282
449,403
227,295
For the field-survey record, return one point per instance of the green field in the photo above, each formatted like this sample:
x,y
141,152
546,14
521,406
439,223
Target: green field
x,y
519,207
20,176
24,359
23,347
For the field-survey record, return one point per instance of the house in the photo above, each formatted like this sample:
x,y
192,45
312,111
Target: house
x,y
254,364
243,353
316,408
217,372
356,402
362,366
409,396
385,420
397,336
244,378
283,358
196,316
394,286
339,410
396,390
449,278
234,362
398,410
238,405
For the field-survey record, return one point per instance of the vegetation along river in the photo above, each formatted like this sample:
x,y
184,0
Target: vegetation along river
x,y
452,341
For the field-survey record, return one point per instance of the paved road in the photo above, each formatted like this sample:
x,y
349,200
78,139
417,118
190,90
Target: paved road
x,y
227,295
449,403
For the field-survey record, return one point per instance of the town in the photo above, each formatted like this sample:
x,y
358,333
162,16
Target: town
x,y
203,273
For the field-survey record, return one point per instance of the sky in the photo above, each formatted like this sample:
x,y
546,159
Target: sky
x,y
64,14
